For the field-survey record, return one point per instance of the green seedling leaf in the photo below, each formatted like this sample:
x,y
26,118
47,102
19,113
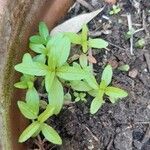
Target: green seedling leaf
x,y
56,96
140,43
73,37
46,114
32,98
80,97
70,73
96,104
51,135
107,74
67,97
21,85
40,58
29,131
102,86
36,39
30,67
115,92
27,110
83,60
49,78
124,68
43,30
84,33
97,43
80,86
38,48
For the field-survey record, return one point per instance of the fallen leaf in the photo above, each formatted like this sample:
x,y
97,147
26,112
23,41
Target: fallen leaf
x,y
75,24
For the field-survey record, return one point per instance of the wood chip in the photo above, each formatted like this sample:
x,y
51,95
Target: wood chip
x,y
133,73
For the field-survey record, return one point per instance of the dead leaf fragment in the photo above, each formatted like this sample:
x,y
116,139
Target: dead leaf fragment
x,y
110,1
133,73
92,59
75,24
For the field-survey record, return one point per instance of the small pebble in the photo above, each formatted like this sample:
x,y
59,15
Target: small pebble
x,y
133,73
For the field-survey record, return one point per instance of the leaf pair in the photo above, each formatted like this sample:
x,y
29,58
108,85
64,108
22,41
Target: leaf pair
x,y
112,92
37,126
82,39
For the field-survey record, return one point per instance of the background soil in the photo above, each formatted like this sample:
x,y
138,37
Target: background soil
x,y
126,124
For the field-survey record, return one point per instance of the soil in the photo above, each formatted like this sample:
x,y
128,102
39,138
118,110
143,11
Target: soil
x,y
126,124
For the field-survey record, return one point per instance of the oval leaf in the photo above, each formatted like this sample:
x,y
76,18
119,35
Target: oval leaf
x,y
107,74
51,135
56,96
114,92
97,43
43,30
29,131
70,73
27,110
96,104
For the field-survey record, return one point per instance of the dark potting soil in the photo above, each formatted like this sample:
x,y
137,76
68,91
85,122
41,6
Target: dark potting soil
x,y
124,125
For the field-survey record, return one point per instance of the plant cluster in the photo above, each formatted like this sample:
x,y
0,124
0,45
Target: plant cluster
x,y
51,64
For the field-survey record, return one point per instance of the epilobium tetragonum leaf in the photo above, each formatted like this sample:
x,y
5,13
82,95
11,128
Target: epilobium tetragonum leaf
x,y
56,96
50,134
27,110
26,82
107,74
29,131
36,39
82,39
30,67
43,30
32,99
113,92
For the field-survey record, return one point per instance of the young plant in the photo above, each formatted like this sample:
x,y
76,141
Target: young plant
x,y
115,10
38,43
54,70
103,88
83,40
112,92
140,43
80,97
38,123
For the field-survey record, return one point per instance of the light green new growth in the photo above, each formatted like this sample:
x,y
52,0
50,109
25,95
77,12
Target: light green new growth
x,y
51,65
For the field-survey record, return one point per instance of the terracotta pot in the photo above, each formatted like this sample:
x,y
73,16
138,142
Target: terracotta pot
x,y
18,21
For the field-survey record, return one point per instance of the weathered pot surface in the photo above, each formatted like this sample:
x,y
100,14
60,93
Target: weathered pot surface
x,y
19,20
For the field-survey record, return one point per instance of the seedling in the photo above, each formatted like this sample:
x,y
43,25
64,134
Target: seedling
x,y
112,92
115,10
80,97
130,33
51,64
83,40
103,88
124,67
55,69
140,43
38,123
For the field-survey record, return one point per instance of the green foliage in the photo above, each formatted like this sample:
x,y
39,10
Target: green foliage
x,y
130,33
124,67
80,97
140,43
50,64
115,10
112,92
82,39
38,124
